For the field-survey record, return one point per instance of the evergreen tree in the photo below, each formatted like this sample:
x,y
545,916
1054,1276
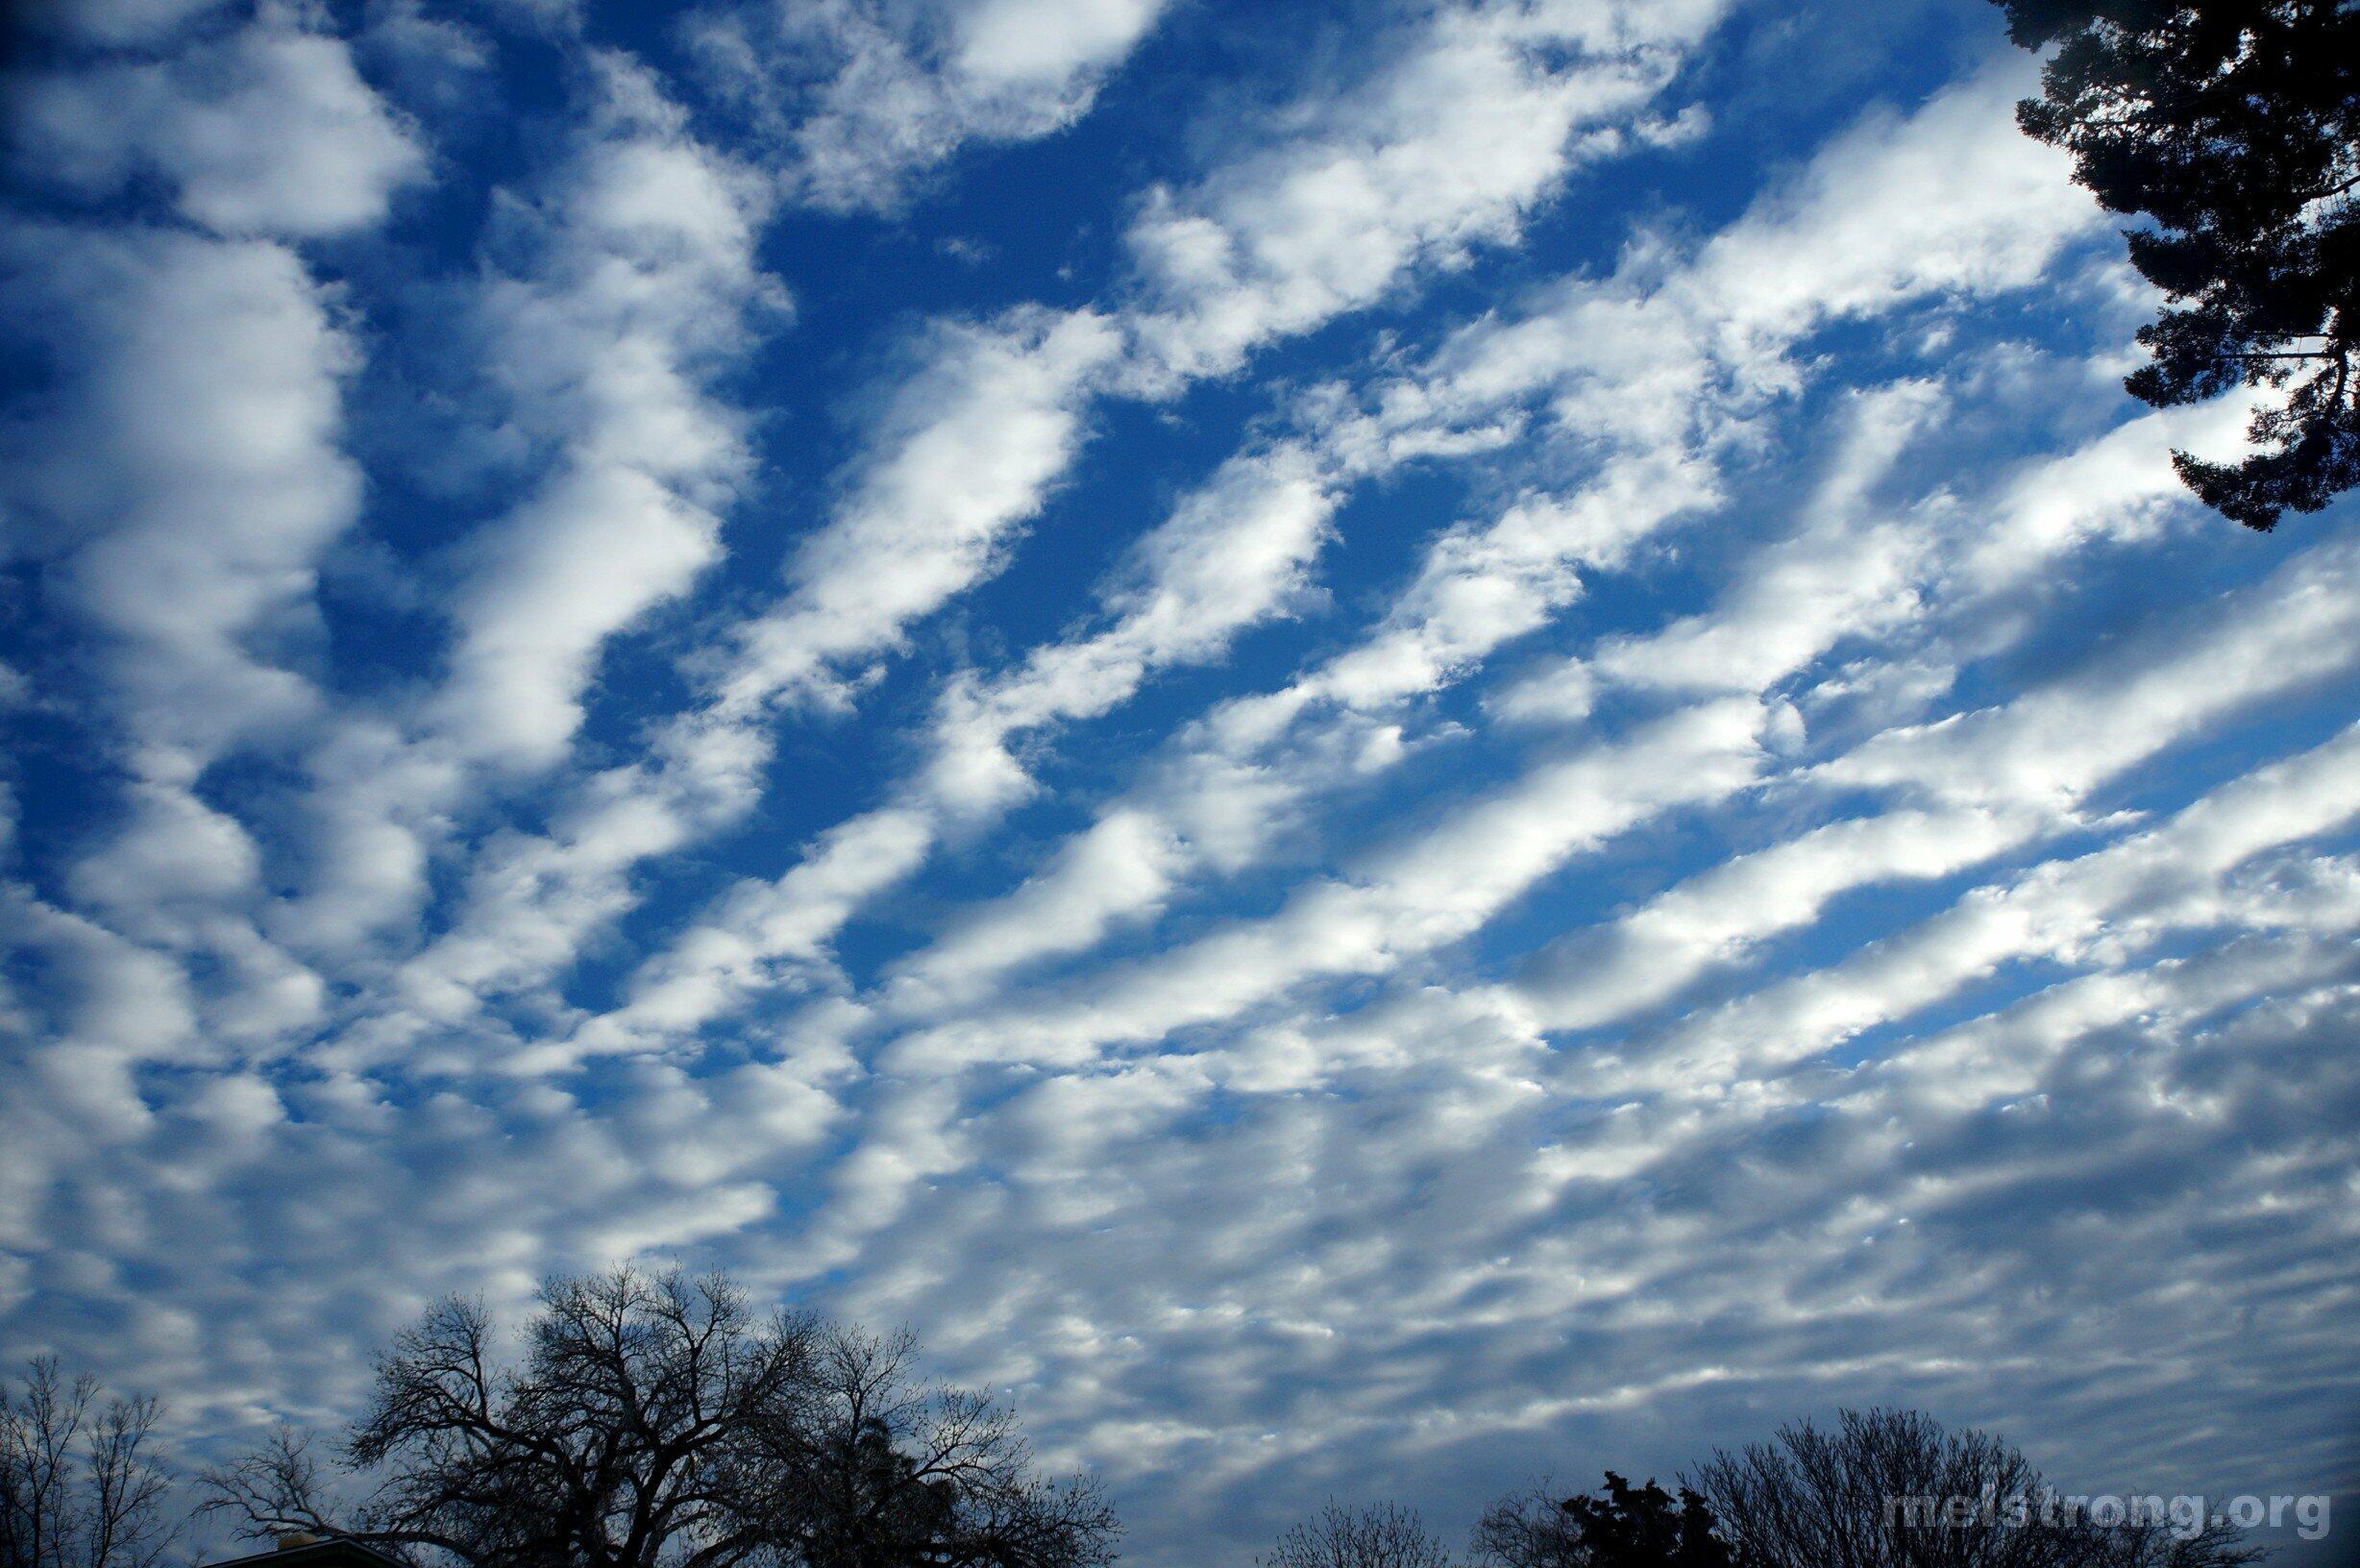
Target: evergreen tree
x,y
1621,1526
2229,125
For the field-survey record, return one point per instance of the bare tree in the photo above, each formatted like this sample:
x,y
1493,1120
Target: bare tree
x,y
620,1442
78,1488
1529,1528
661,1423
1893,1489
1385,1535
891,1469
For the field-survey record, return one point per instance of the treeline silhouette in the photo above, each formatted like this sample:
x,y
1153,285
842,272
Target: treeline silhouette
x,y
1880,1489
659,1421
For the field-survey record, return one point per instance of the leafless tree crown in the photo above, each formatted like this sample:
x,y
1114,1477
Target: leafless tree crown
x,y
660,1422
77,1485
1385,1535
1819,1498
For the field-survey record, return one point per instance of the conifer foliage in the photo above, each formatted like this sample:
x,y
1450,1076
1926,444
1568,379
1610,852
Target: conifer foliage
x,y
2230,125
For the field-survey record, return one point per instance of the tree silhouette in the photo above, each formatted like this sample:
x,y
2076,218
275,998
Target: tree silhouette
x,y
1385,1535
77,1488
1894,1490
660,1423
888,1470
2231,125
1621,1526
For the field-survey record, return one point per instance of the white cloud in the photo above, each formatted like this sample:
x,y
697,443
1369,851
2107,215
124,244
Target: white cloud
x,y
1047,42
1842,577
1412,896
2052,744
963,454
268,132
1232,553
1856,234
626,282
189,477
641,279
970,441
1642,370
1463,127
1997,779
2124,894
176,497
864,100
1647,957
1235,551
957,458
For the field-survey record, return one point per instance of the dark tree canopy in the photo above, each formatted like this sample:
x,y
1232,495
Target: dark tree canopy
x,y
660,1423
2230,125
1621,1526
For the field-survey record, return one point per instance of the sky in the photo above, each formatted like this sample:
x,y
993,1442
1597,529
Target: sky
x,y
1377,746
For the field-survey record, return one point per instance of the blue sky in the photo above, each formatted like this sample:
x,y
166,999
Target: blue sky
x,y
1377,747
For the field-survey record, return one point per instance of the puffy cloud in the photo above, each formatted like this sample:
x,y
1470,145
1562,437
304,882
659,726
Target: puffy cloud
x,y
183,485
2056,741
2130,893
627,284
1431,888
959,458
1459,130
1855,235
1232,553
864,100
641,277
969,441
1645,369
267,132
963,453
